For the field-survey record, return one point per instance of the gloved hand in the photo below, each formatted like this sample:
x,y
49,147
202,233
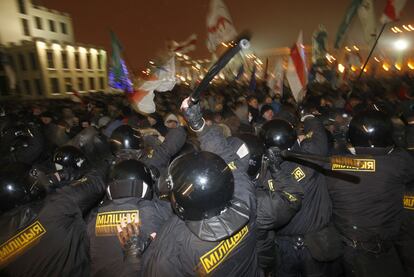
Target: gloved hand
x,y
274,157
193,115
131,242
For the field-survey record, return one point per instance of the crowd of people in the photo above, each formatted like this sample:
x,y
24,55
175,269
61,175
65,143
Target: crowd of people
x,y
239,183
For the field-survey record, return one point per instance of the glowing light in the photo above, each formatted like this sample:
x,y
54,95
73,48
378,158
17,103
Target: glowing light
x,y
186,57
151,62
182,78
406,28
225,45
365,69
393,29
348,49
341,68
70,48
397,66
386,67
356,48
410,65
411,27
398,29
82,50
41,44
178,54
401,44
353,68
93,51
376,59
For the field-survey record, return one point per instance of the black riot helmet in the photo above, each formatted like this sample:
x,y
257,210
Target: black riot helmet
x,y
69,157
370,129
125,137
18,186
202,185
278,133
256,151
130,178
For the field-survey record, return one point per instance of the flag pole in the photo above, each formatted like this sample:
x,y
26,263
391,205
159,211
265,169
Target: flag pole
x,y
372,50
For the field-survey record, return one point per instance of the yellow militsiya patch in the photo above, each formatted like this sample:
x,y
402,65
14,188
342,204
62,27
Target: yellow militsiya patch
x,y
21,241
408,202
150,154
308,135
218,254
366,165
298,174
106,222
232,166
270,184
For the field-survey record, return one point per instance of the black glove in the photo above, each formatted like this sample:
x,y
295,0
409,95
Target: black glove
x,y
194,116
274,157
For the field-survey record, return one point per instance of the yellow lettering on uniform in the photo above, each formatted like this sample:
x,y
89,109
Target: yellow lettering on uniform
x,y
218,254
408,202
21,241
106,222
298,174
366,165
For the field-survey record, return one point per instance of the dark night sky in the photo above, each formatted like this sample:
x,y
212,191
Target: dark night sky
x,y
143,26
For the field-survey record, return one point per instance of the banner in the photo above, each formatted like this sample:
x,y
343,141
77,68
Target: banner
x,y
219,25
369,25
343,28
297,74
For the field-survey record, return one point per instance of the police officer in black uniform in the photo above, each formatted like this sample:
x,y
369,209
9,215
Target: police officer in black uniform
x,y
45,236
368,212
127,143
279,197
129,195
299,254
213,231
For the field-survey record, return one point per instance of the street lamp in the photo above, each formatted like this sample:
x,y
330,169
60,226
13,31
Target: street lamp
x,y
401,44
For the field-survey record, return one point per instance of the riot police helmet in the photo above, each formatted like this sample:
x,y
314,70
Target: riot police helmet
x,y
125,137
278,133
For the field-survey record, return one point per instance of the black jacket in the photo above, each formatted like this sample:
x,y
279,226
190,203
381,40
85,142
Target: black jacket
x,y
106,252
177,251
316,209
48,237
370,207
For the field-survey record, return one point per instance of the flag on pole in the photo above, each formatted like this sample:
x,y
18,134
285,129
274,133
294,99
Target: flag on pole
x,y
319,44
219,25
163,80
185,46
297,74
118,72
343,28
392,11
275,82
367,17
11,76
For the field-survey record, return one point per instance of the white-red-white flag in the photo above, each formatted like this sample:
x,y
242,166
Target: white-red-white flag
x,y
219,25
297,73
392,11
185,46
164,80
275,82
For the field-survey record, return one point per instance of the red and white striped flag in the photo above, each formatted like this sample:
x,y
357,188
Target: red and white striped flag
x,y
392,11
297,73
185,46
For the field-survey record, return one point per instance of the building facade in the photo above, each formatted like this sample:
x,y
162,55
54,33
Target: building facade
x,y
43,60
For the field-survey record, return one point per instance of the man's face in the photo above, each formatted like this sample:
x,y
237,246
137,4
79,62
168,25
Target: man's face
x,y
253,102
46,120
172,124
268,115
